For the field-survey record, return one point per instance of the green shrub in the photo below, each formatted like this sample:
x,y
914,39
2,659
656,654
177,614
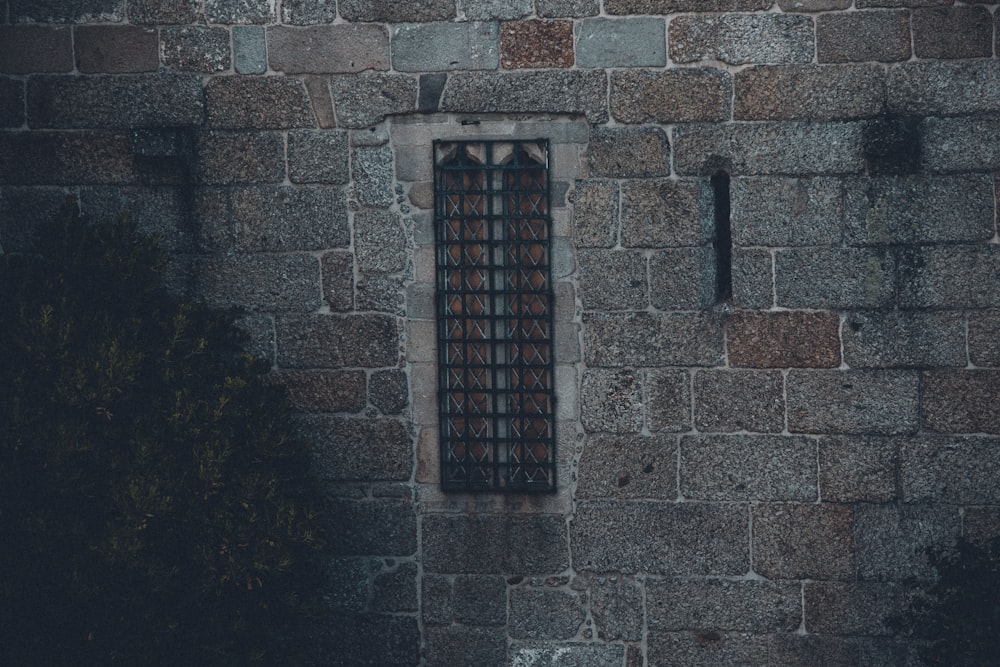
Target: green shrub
x,y
155,505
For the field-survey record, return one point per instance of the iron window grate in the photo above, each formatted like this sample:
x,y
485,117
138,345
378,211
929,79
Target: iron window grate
x,y
494,315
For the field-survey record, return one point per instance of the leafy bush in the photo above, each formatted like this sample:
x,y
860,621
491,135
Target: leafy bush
x,y
155,505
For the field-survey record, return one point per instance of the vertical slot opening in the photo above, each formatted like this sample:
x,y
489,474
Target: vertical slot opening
x,y
722,240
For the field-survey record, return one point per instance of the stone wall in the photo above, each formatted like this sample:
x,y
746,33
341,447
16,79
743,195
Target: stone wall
x,y
748,475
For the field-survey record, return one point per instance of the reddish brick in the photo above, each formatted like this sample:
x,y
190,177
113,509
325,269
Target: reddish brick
x,y
323,391
27,49
803,541
809,92
961,401
784,340
536,43
953,32
883,36
116,49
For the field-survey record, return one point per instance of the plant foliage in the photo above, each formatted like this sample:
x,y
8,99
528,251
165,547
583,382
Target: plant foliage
x,y
155,505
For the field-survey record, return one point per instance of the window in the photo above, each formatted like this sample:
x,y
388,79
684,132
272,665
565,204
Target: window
x,y
494,315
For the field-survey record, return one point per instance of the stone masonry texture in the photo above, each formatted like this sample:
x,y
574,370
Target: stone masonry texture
x,y
775,263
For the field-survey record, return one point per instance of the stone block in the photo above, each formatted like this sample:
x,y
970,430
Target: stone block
x,y
742,39
348,584
330,341
752,274
960,144
352,639
612,401
308,12
454,645
671,96
891,542
390,11
11,102
422,47
630,537
944,88
569,654
887,339
195,48
379,242
852,402
644,339
519,545
682,278
543,613
961,401
435,600
849,608
663,213
595,214
116,49
613,280
318,156
372,171
365,99
785,339
24,215
984,338
78,11
160,212
388,390
721,605
264,103
396,589
791,6
788,148
115,101
809,92
628,466
66,158
227,158
676,6
323,391
283,219
952,32
795,650
748,468
359,449
495,10
567,8
157,12
706,648
249,50
480,600
536,44
629,152
867,4
327,49
981,525
950,277
616,604
431,86
803,541
963,471
735,400
834,278
240,11
338,280
858,469
30,49
668,400
260,282
545,91
381,293
384,527
881,36
774,211
628,42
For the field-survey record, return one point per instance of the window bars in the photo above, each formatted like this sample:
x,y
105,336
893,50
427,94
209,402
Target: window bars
x,y
494,315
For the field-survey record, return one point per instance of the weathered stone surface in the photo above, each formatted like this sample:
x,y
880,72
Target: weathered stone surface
x,y
952,32
272,102
318,156
809,92
629,152
847,608
803,541
567,8
152,211
960,144
338,280
480,600
961,401
672,96
539,612
422,47
857,469
260,282
551,91
379,242
494,10
706,648
770,211
718,604
308,12
66,158
886,339
730,401
249,50
981,525
611,401
330,341
457,644
643,339
11,102
944,88
348,583
952,470
668,400
784,340
435,600
382,293
628,466
116,49
388,391
240,11
852,402
369,640
595,214
396,589
795,650
521,545
282,219
372,171
158,12
365,99
984,338
628,42
613,280
675,6
950,277
866,4
753,278
357,449
891,541
383,527
662,213
327,49
195,48
227,158
391,11
631,536
882,36
536,44
741,39
24,213
115,101
834,278
323,391
682,278
741,468
66,11
617,607
813,5
554,654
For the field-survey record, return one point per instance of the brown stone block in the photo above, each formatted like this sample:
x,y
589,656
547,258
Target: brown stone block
x,y
803,541
116,49
271,102
883,36
784,339
953,32
27,49
328,49
962,401
260,282
241,157
673,96
813,92
323,391
536,43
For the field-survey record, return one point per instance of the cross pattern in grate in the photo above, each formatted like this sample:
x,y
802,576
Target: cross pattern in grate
x,y
494,307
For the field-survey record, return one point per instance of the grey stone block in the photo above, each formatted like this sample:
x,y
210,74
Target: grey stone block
x,y
595,214
381,293
11,102
643,339
984,338
809,92
629,42
772,211
391,11
961,401
886,339
575,654
435,600
549,91
385,527
795,650
318,156
430,47
858,469
682,278
680,6
348,584
240,11
853,402
157,12
741,39
753,278
882,36
962,471
567,8
834,278
845,608
373,175
952,32
616,604
661,213
480,600
611,401
741,468
660,538
331,341
283,219
270,102
628,466
892,541
351,640
308,12
495,10
228,158
328,49
456,645
671,96
323,391
338,280
67,158
629,152
249,50
944,88
668,400
260,282
523,545
157,211
388,391
82,11
396,589
366,99
543,613
613,280
195,48
721,605
950,277
960,144
706,648
379,242
803,541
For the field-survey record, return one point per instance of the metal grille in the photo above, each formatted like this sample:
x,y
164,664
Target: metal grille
x,y
494,312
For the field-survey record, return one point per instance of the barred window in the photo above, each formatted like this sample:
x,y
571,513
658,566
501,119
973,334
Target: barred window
x,y
494,315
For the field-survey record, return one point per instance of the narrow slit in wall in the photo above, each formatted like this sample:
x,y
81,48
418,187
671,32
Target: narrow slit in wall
x,y
722,241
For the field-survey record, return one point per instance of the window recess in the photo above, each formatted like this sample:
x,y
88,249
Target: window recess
x,y
492,225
